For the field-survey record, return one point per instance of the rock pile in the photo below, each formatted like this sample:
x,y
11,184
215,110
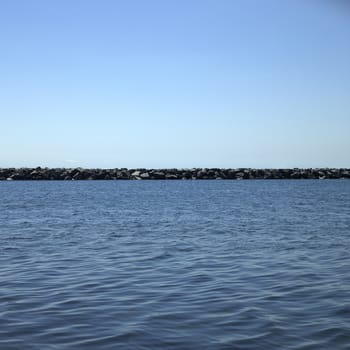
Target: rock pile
x,y
169,174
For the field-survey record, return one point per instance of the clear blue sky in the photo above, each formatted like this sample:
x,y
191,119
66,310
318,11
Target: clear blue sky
x,y
175,83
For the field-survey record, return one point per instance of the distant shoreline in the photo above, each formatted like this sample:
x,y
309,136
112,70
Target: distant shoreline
x,y
171,174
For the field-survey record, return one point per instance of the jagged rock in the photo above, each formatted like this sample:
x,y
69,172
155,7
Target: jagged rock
x,y
17,176
201,174
169,174
295,175
145,176
159,175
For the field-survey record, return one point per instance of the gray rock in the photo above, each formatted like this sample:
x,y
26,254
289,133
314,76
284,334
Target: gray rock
x,y
145,176
170,176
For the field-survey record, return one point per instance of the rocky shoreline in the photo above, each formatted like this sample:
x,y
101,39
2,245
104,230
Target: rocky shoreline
x,y
170,174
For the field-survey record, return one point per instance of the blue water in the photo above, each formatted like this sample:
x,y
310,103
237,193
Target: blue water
x,y
175,265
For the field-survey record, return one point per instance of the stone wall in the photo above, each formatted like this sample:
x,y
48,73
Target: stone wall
x,y
169,174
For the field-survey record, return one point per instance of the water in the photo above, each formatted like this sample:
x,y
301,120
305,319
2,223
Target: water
x,y
175,265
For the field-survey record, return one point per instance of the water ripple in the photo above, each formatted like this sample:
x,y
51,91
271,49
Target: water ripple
x,y
175,265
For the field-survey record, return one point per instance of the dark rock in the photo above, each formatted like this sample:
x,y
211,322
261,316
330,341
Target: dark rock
x,y
295,175
39,173
239,175
345,174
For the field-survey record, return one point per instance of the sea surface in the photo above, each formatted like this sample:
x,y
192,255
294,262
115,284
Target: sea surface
x,y
257,264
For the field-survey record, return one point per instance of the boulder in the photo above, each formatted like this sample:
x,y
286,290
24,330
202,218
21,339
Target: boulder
x,y
145,176
171,177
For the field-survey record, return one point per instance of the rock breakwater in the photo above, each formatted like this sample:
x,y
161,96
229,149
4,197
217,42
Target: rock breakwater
x,y
170,174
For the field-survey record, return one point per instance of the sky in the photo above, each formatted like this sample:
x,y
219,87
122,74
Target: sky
x,y
175,83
